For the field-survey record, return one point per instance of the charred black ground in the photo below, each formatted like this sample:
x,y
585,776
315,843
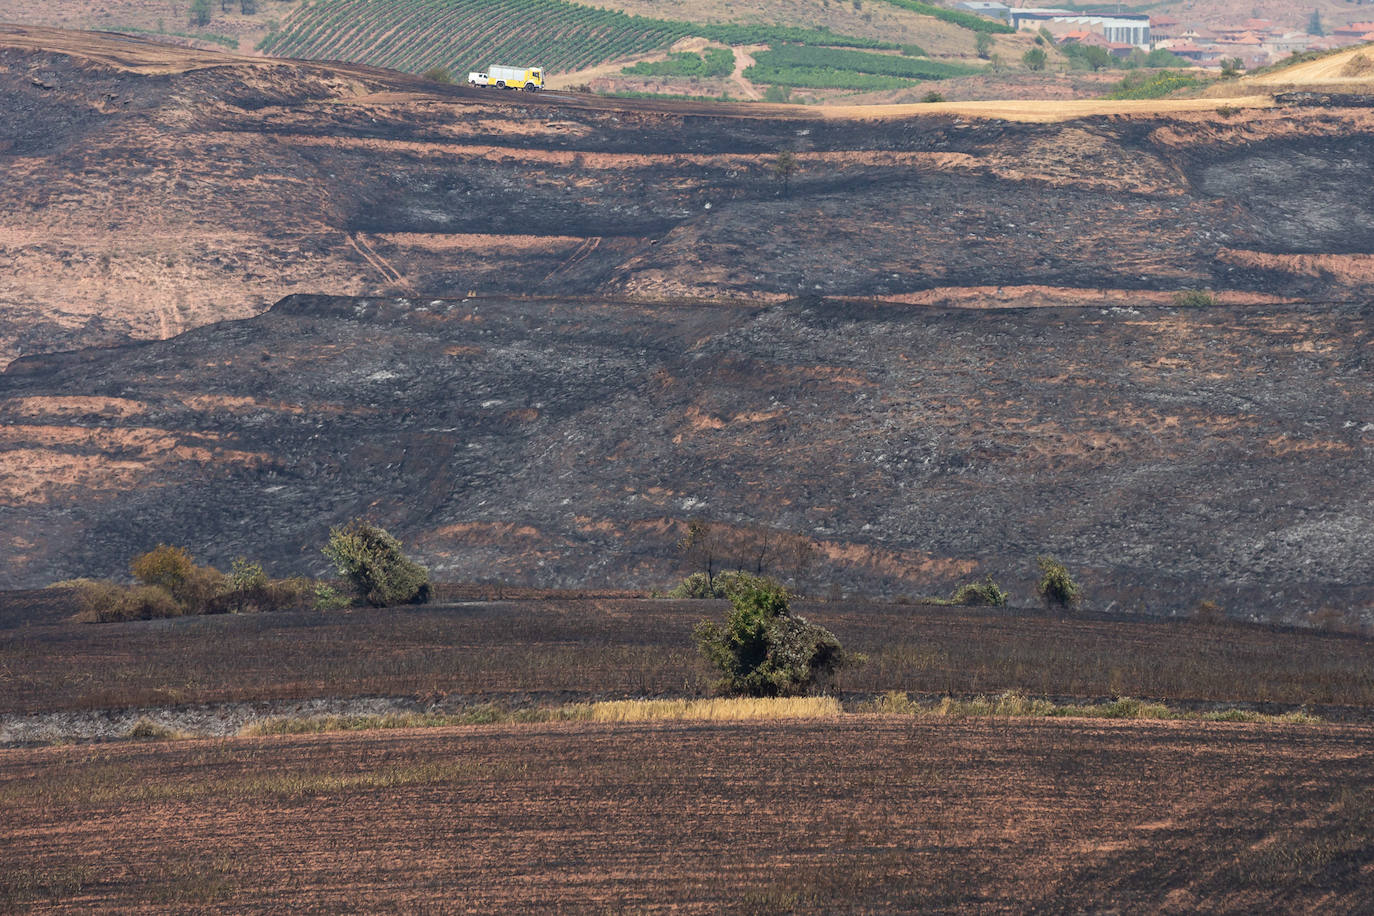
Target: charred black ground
x,y
536,335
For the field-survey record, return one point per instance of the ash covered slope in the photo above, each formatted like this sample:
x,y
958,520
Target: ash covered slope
x,y
151,189
1168,455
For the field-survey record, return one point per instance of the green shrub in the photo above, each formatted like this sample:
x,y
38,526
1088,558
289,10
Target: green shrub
x,y
328,599
1088,57
970,21
735,34
697,585
195,588
853,64
1056,586
438,75
980,594
764,650
164,565
713,62
722,585
371,559
1195,298
107,602
117,603
1153,85
1035,59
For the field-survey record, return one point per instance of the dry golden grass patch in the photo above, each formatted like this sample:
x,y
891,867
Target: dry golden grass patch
x,y
716,710
1015,704
720,709
1038,110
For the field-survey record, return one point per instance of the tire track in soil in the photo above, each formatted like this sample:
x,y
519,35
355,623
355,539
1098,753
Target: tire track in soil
x,y
379,263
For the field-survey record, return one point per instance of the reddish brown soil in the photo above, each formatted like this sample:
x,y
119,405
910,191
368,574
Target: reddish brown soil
x,y
862,814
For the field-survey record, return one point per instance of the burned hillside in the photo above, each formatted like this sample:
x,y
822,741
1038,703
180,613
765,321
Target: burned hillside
x,y
154,189
1168,454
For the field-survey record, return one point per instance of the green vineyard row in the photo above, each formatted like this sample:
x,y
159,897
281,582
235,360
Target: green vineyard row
x,y
462,35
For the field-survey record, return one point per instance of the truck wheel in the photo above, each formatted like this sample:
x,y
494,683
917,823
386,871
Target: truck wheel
x,y
501,84
530,87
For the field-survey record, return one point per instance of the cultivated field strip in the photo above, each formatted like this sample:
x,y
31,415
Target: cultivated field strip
x,y
464,35
867,814
550,652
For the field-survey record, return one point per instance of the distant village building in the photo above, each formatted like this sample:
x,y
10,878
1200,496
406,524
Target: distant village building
x,y
1165,27
1353,34
1191,51
1093,39
1123,29
1253,40
1288,43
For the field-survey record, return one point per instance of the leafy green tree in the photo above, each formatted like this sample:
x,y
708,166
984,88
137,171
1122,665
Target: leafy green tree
x,y
785,166
1056,587
983,45
165,566
1095,58
372,560
201,12
1034,59
1231,67
1161,58
765,650
172,570
1314,24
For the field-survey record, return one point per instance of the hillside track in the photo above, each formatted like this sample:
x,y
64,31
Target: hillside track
x,y
873,814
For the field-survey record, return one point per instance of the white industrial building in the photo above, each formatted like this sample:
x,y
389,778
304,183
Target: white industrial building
x,y
1121,29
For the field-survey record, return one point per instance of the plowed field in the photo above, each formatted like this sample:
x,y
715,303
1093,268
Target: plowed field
x,y
866,814
546,652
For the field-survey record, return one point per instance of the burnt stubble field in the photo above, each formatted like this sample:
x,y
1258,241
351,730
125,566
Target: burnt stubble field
x,y
862,814
857,812
523,652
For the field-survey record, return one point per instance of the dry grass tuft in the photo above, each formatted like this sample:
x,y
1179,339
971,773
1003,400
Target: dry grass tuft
x,y
715,710
1014,703
1359,65
718,710
148,730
